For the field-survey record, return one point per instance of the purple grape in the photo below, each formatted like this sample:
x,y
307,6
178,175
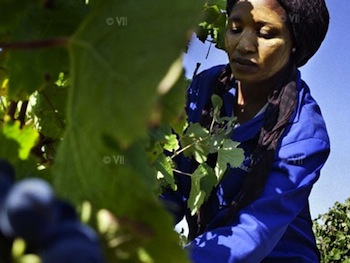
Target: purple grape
x,y
50,226
72,242
65,211
28,210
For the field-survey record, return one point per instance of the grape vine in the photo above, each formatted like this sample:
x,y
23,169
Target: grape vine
x,y
194,141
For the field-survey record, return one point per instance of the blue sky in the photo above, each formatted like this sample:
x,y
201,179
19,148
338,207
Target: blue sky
x,y
328,76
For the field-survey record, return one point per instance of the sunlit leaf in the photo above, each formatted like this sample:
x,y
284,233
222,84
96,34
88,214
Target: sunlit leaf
x,y
228,154
165,165
172,144
25,137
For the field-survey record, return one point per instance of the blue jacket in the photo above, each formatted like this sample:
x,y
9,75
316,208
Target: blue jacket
x,y
277,227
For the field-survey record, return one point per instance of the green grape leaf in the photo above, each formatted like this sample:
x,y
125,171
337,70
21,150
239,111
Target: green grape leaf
x,y
196,142
9,148
10,19
159,133
172,144
229,124
154,151
50,108
214,24
160,139
220,3
26,137
164,166
228,154
220,31
216,141
35,68
180,124
203,180
172,91
217,104
30,68
202,32
16,144
119,56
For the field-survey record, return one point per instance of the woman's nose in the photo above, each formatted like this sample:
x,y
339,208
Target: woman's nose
x,y
247,43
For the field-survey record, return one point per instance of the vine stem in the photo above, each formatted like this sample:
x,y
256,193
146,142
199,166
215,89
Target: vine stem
x,y
46,43
206,57
189,146
181,172
197,141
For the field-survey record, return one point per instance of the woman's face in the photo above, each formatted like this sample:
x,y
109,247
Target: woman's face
x,y
258,41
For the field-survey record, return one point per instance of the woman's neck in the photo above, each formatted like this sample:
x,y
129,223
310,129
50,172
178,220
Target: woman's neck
x,y
248,105
251,97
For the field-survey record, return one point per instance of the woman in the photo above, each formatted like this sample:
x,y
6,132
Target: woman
x,y
260,212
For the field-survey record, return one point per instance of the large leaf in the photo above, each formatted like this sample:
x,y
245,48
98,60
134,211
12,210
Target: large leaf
x,y
116,68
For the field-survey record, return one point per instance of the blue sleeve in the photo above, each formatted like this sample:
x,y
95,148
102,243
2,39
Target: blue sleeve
x,y
258,228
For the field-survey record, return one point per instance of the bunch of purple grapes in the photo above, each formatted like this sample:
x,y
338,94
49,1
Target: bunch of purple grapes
x,y
50,226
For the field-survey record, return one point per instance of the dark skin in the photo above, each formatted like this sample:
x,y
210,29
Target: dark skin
x,y
259,45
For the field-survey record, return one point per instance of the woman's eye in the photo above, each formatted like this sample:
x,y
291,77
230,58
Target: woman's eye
x,y
267,34
236,30
235,27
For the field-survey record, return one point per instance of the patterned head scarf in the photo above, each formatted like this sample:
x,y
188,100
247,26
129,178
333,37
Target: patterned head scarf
x,y
308,20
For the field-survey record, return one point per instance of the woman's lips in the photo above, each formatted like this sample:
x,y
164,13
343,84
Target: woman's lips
x,y
244,65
